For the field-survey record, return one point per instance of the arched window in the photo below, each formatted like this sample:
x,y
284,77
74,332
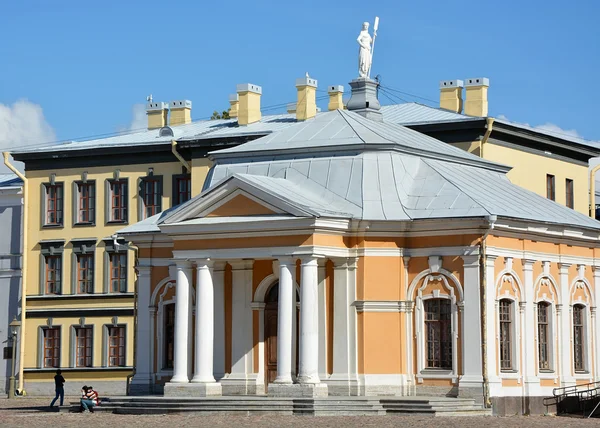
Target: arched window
x,y
438,327
506,334
579,337
543,316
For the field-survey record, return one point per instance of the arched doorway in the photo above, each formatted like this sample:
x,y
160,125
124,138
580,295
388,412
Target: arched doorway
x,y
270,333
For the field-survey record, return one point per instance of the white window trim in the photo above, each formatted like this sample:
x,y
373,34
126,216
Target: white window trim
x,y
515,348
422,371
551,372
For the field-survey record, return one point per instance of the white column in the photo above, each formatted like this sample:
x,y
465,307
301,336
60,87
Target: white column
x,y
182,301
204,323
471,324
322,314
242,326
596,270
490,325
142,381
219,346
286,309
566,377
529,329
308,371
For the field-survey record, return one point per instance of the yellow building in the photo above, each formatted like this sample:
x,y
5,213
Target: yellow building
x,y
346,255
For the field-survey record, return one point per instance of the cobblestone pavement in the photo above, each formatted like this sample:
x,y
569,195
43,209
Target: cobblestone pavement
x,y
24,412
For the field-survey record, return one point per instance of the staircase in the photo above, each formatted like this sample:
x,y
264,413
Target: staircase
x,y
583,399
260,405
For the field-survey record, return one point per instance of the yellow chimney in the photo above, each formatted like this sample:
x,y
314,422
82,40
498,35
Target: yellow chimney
x,y
451,95
249,104
181,112
157,113
306,107
234,102
335,97
476,103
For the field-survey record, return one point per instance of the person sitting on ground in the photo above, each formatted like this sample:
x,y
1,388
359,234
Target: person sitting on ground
x,y
88,399
59,388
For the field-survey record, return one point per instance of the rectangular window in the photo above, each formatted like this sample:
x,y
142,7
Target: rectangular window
x,y
169,336
86,202
550,187
53,274
54,204
85,273
52,347
83,353
118,272
439,333
543,346
578,338
570,198
505,312
151,192
118,201
182,189
116,346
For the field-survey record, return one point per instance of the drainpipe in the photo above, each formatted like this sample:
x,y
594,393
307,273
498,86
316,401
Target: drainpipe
x,y
484,339
593,191
488,131
135,249
23,267
179,157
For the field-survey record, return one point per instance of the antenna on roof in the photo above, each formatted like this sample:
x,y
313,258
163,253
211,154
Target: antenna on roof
x,y
149,98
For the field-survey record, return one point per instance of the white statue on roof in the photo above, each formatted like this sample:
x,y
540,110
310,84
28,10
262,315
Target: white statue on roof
x,y
365,54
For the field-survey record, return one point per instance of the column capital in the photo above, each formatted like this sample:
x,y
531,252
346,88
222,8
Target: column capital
x,y
322,262
528,264
286,260
182,263
219,265
596,270
241,264
564,267
308,261
203,263
470,260
152,310
143,270
258,306
490,260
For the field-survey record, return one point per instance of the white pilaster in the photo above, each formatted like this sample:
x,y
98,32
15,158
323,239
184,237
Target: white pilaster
x,y
596,321
143,379
529,329
182,312
242,329
322,309
204,323
566,374
309,323
471,325
219,346
491,316
286,309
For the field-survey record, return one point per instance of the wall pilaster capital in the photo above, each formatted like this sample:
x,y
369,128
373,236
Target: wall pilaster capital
x,y
203,263
241,264
470,260
564,268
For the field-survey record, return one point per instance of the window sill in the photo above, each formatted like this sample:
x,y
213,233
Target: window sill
x,y
109,222
53,226
437,374
89,224
510,374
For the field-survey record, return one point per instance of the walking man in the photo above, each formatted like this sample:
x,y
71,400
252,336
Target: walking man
x,y
59,386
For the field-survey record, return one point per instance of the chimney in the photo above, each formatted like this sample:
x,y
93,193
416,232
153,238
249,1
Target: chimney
x,y
364,99
234,102
249,107
157,113
335,97
451,95
306,107
476,102
181,112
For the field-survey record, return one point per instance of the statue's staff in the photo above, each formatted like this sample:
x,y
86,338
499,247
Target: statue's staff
x,y
375,27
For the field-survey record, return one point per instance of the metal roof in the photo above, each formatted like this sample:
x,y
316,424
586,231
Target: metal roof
x,y
10,180
415,113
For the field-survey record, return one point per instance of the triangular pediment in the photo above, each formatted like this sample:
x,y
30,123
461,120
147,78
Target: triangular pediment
x,y
237,196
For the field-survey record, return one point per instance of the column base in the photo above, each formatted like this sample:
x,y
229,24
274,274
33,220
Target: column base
x,y
192,389
342,386
141,384
242,385
308,390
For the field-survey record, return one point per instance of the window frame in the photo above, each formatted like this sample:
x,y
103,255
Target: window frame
x,y
570,193
79,198
110,199
442,325
123,346
584,342
176,194
88,346
88,282
122,272
143,194
512,331
58,279
551,187
549,333
56,348
167,307
58,208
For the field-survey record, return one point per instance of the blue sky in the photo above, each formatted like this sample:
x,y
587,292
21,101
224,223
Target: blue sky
x,y
84,65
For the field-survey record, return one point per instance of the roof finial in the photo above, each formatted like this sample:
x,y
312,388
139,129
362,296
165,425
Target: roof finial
x,y
149,98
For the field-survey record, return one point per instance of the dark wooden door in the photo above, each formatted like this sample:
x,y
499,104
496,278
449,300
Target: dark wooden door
x,y
270,344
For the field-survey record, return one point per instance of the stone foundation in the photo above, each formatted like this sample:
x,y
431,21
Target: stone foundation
x,y
318,390
193,389
511,406
73,387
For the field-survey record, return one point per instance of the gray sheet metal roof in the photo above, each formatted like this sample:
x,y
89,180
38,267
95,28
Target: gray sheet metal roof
x,y
415,113
10,180
345,130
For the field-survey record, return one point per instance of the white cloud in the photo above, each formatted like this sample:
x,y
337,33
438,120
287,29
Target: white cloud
x,y
22,124
138,119
552,128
